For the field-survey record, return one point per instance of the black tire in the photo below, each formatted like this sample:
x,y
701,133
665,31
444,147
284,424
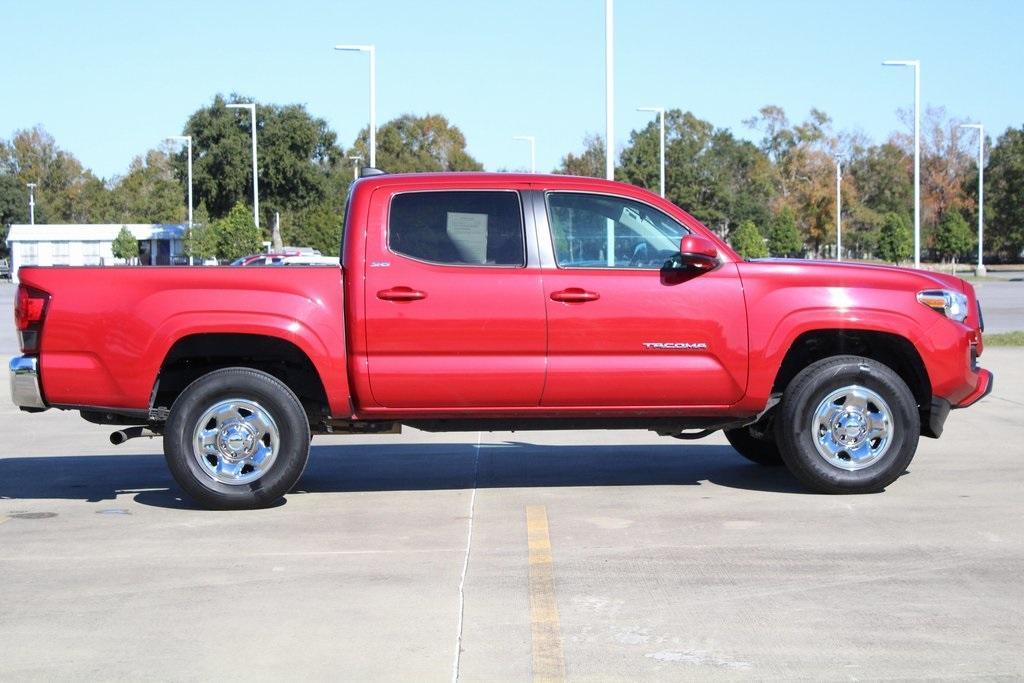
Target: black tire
x,y
246,390
762,450
797,430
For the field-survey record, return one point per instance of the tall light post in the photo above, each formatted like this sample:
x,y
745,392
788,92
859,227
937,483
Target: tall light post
x,y
839,209
355,166
609,90
981,190
188,140
917,151
533,150
660,111
31,203
251,106
372,51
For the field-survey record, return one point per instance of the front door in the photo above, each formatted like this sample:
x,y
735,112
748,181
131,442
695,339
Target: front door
x,y
454,318
624,331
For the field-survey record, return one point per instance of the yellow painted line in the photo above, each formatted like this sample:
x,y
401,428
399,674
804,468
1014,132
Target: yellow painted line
x,y
548,657
3,519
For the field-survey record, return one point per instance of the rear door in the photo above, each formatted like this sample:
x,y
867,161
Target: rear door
x,y
454,317
624,330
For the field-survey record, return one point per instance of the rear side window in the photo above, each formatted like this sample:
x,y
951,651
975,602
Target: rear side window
x,y
458,228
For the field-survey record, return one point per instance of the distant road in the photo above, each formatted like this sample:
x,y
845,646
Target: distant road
x,y
1002,303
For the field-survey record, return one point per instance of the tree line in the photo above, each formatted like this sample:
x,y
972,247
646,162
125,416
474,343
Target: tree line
x,y
776,196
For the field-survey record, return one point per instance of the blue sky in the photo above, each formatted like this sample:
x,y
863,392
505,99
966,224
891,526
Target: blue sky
x,y
110,79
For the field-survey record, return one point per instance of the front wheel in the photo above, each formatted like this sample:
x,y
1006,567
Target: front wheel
x,y
237,438
847,424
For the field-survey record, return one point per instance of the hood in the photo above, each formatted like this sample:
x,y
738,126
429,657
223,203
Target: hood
x,y
846,271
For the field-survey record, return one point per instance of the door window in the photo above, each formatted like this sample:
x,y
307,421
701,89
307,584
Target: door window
x,y
601,231
458,228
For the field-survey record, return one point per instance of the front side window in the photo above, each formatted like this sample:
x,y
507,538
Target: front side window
x,y
458,228
601,231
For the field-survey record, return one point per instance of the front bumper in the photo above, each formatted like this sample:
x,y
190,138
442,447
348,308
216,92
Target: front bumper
x,y
983,389
25,391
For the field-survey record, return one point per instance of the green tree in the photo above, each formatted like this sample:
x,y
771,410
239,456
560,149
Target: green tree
x,y
201,241
804,168
319,228
748,241
720,179
149,192
883,175
237,234
125,246
14,201
66,192
297,152
953,236
783,237
1004,194
417,144
895,243
589,163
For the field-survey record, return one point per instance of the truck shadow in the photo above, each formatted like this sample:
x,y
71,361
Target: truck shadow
x,y
405,467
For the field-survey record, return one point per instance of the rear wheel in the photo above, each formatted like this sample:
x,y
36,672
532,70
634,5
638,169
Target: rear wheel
x,y
756,446
847,424
237,438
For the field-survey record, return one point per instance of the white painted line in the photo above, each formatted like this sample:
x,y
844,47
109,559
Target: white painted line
x,y
465,563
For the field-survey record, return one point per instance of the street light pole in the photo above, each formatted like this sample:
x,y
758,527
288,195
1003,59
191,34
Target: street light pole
x,y
839,209
251,106
981,190
533,150
917,151
372,51
188,140
31,203
609,90
660,111
355,166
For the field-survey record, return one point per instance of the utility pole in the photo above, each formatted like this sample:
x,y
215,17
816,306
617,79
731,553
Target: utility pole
x,y
660,111
31,203
533,150
917,151
251,106
839,209
372,51
609,90
187,139
980,270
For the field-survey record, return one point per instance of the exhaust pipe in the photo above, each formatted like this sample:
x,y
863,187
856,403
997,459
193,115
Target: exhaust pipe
x,y
120,436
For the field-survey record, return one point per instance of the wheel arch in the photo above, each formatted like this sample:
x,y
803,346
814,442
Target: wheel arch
x,y
892,350
195,355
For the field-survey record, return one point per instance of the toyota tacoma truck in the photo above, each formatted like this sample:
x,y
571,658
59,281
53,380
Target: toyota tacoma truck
x,y
505,302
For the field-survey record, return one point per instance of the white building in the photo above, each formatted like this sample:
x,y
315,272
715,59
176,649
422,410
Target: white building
x,y
91,245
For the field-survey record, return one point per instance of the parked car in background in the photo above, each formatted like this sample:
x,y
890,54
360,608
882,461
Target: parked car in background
x,y
274,258
310,260
5,269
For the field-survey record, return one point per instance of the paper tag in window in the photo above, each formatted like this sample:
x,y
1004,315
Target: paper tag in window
x,y
468,232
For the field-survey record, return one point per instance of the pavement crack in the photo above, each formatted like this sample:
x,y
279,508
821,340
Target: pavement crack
x,y
465,563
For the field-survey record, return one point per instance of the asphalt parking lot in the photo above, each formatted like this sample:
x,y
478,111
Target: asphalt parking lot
x,y
597,555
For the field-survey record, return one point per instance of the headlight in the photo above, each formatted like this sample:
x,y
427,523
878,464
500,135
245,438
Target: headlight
x,y
951,304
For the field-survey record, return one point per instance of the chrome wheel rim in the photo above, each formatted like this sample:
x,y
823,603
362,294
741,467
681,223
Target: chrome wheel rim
x,y
236,441
852,428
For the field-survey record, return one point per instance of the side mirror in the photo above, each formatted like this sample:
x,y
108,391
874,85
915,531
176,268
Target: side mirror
x,y
698,252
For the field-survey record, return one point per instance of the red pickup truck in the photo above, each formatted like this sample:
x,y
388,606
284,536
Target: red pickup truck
x,y
505,302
